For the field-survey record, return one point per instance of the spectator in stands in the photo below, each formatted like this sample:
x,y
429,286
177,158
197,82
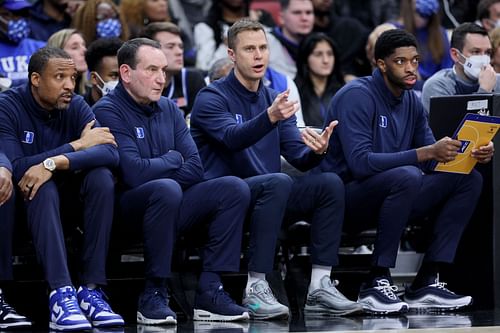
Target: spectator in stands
x,y
488,14
421,18
103,68
241,128
348,34
9,318
220,69
383,150
210,36
370,13
71,41
15,45
297,18
161,177
318,77
181,84
495,43
470,50
100,19
372,39
60,158
48,17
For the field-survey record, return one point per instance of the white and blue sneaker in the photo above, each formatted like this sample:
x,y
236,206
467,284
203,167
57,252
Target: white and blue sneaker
x,y
96,309
9,318
381,298
65,314
435,297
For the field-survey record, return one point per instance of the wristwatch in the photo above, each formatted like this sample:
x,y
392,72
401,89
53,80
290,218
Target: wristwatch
x,y
49,164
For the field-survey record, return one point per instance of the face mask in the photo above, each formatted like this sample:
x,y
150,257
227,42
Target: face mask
x,y
17,30
496,23
107,87
109,28
473,65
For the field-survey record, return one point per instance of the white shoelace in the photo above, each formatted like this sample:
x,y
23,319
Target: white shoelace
x,y
387,289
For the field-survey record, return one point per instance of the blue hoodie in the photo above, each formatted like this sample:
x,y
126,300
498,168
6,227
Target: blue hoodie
x,y
153,140
377,131
231,127
30,134
4,162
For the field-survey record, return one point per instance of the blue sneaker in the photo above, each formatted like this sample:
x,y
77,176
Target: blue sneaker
x,y
381,299
153,308
65,314
96,309
216,305
435,297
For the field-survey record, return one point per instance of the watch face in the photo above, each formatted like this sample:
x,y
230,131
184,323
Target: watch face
x,y
49,164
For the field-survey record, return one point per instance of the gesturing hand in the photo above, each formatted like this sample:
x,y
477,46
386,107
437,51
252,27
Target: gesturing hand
x,y
318,142
281,108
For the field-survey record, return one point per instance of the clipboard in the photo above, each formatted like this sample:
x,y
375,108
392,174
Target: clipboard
x,y
474,131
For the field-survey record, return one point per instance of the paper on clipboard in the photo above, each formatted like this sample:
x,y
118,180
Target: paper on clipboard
x,y
474,131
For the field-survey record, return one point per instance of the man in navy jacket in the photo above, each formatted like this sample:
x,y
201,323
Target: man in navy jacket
x,y
242,128
9,318
161,177
60,158
383,149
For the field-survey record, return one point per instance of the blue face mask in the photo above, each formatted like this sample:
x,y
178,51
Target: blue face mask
x,y
17,30
109,28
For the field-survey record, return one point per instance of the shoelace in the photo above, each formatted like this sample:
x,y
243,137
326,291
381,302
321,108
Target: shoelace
x,y
221,297
97,298
267,294
385,287
332,287
69,302
442,286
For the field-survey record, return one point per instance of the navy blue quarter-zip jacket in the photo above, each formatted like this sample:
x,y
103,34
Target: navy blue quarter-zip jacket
x,y
231,127
30,134
4,162
153,140
377,131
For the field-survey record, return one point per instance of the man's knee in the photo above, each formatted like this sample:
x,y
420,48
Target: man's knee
x,y
166,191
407,177
100,180
235,188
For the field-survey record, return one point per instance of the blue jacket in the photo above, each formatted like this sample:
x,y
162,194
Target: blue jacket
x,y
153,140
4,162
30,134
377,131
234,135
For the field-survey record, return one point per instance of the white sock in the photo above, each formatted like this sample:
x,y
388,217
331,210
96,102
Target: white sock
x,y
254,277
317,273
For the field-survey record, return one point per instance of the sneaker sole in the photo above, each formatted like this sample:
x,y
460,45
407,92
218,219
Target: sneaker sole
x,y
107,323
378,311
202,315
16,324
319,310
262,316
75,327
141,319
422,307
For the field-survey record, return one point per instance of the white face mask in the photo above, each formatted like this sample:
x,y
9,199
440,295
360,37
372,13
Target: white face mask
x,y
474,64
107,87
